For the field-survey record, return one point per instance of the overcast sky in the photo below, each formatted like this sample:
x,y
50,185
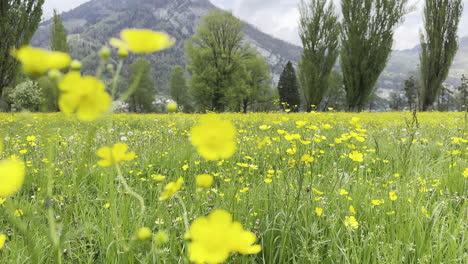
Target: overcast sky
x,y
279,17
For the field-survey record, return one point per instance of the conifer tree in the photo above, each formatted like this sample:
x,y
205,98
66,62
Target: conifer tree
x,y
439,45
179,91
288,89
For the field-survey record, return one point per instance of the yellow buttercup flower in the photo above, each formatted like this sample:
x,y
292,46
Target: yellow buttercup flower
x,y
142,41
84,95
3,238
144,233
465,173
356,156
215,237
116,154
392,196
204,181
319,211
37,61
12,173
214,138
171,188
351,222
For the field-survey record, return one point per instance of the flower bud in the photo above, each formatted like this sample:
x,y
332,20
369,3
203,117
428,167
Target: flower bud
x,y
55,75
123,53
171,107
104,53
75,65
144,233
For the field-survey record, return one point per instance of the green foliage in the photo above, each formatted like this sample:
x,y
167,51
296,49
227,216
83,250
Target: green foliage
x,y
319,31
367,37
336,95
179,90
49,95
26,96
58,35
288,89
216,54
439,44
411,90
462,94
19,20
141,101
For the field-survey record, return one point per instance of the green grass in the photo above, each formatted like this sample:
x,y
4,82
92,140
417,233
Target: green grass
x,y
281,213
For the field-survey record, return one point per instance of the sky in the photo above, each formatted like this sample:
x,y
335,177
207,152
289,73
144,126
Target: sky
x,y
280,18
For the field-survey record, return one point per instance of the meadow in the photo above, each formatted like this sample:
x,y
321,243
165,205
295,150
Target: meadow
x,y
312,187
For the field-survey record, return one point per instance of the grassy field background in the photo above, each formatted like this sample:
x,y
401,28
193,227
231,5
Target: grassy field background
x,y
291,181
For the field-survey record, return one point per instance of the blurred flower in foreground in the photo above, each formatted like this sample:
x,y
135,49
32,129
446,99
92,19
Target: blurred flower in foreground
x,y
12,174
214,138
37,61
86,96
215,237
142,41
204,181
3,238
116,154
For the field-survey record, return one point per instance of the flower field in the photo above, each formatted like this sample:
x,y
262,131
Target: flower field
x,y
234,188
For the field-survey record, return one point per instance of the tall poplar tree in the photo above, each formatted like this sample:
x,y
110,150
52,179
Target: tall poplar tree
x,y
288,89
319,31
58,34
19,20
439,45
367,37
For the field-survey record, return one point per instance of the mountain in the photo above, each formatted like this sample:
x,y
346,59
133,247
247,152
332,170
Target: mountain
x,y
404,63
92,24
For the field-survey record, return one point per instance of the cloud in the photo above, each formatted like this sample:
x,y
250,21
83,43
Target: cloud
x,y
280,17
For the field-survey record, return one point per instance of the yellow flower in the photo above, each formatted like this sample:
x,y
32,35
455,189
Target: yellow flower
x,y
343,192
3,238
215,237
465,173
318,211
158,177
352,210
356,156
268,180
18,212
142,41
307,158
351,222
84,95
107,205
204,181
392,196
116,154
171,188
37,61
144,233
377,202
12,173
214,138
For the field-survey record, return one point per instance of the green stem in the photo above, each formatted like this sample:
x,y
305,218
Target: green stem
x,y
131,192
184,215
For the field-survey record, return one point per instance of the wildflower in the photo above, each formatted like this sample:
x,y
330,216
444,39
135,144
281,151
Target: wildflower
x,y
2,200
142,41
356,156
268,180
37,61
3,238
343,192
424,211
161,238
319,211
84,95
158,177
144,233
377,202
392,196
215,237
204,181
352,210
214,138
18,212
171,107
307,158
107,205
351,222
264,127
171,188
12,173
116,154
465,173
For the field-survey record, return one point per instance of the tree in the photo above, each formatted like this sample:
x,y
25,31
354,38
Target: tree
x,y
396,101
179,90
215,54
336,95
367,37
288,89
439,45
19,20
462,96
411,90
58,34
141,100
27,96
320,32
